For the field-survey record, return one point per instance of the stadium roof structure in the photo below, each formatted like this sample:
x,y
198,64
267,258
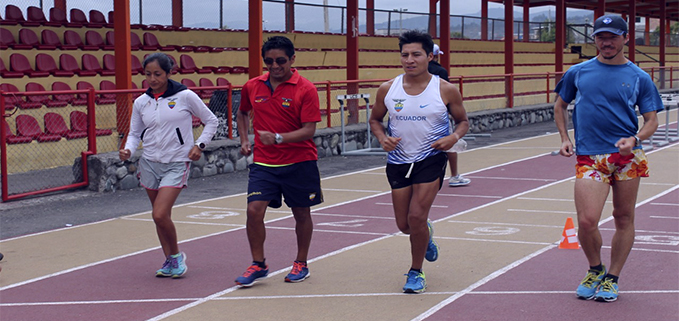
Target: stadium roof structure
x,y
644,8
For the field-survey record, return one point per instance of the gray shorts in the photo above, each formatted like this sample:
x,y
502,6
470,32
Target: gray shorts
x,y
154,175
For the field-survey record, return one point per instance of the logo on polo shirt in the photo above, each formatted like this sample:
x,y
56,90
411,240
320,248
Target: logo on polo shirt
x,y
261,99
399,104
286,102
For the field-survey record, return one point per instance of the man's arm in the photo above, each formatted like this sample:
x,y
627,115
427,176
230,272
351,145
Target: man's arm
x,y
379,110
304,133
561,120
626,144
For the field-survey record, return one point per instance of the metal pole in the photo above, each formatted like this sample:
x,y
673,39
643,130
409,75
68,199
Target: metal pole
x,y
221,14
140,11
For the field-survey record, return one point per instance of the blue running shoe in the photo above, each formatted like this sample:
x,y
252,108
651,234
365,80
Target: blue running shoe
x,y
166,270
299,272
178,264
432,248
415,282
251,275
608,291
589,285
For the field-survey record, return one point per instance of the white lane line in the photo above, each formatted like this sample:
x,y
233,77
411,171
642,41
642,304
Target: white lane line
x,y
546,199
470,196
513,178
506,224
188,222
391,218
539,211
569,292
666,204
350,190
665,217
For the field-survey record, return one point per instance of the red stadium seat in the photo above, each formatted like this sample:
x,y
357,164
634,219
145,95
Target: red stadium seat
x,y
55,125
98,20
78,16
11,101
144,84
19,62
136,66
195,121
28,37
72,38
58,16
205,93
79,124
81,99
223,82
13,13
68,63
188,66
45,62
35,14
91,63
27,126
42,99
9,74
109,63
93,38
151,43
107,98
188,83
13,139
50,38
135,43
61,86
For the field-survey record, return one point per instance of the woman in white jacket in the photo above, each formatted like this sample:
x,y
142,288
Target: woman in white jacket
x,y
161,120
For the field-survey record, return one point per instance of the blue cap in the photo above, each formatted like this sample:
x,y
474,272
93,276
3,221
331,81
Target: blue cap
x,y
610,23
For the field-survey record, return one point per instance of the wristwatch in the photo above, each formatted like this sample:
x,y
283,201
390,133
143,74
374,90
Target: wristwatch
x,y
278,138
201,145
638,141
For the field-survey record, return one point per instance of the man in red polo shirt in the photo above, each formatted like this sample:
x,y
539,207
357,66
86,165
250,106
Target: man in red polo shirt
x,y
285,110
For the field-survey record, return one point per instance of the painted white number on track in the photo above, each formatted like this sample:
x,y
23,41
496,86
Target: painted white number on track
x,y
213,215
352,223
493,230
657,239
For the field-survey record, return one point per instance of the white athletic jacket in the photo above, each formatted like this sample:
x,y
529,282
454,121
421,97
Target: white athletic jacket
x,y
164,126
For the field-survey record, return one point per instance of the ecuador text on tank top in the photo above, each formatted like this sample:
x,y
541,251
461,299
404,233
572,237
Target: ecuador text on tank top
x,y
418,120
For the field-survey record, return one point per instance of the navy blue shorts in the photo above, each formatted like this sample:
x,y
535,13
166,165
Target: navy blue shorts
x,y
424,171
299,184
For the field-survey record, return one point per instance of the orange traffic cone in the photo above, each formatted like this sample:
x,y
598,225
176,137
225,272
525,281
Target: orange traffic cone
x,y
569,240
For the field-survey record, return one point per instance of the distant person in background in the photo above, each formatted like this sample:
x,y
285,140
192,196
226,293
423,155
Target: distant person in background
x,y
606,90
161,120
419,133
285,110
436,69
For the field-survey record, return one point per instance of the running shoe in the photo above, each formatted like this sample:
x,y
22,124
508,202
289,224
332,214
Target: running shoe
x,y
415,282
299,272
178,264
166,270
589,285
608,291
432,248
251,275
458,180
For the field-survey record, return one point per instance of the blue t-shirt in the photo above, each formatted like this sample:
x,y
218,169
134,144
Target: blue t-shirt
x,y
605,99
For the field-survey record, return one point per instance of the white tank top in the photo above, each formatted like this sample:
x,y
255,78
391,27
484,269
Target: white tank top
x,y
418,120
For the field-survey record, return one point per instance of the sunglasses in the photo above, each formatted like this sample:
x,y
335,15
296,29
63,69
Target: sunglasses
x,y
279,61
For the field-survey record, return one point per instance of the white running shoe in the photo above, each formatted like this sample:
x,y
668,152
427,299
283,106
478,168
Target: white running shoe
x,y
458,180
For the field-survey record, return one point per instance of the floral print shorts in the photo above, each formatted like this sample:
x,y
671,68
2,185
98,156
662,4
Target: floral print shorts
x,y
608,168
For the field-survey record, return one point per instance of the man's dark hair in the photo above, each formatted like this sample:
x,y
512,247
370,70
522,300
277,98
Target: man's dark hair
x,y
163,60
414,36
279,42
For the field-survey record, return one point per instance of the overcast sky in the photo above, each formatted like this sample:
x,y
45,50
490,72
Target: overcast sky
x,y
205,13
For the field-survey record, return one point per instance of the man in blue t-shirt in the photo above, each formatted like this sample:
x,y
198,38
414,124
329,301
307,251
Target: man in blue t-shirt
x,y
606,90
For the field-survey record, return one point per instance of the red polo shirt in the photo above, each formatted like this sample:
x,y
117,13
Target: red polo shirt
x,y
284,110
